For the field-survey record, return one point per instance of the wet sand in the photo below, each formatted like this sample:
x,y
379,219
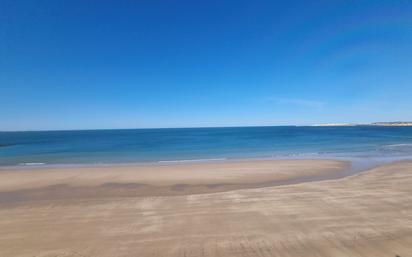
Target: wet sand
x,y
369,214
23,184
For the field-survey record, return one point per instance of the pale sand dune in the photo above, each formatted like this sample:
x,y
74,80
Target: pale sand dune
x,y
369,214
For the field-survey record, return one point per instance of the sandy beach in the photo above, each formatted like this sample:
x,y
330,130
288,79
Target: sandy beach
x,y
245,208
158,179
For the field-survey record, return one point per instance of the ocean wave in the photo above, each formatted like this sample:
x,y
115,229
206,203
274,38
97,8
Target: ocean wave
x,y
6,145
300,154
399,145
397,148
31,163
194,160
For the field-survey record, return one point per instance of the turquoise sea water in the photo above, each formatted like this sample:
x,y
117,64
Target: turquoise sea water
x,y
194,144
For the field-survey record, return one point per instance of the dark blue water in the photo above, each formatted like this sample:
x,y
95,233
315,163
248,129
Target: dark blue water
x,y
154,145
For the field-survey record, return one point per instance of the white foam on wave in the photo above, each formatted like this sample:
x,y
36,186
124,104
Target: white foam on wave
x,y
31,163
399,145
404,147
194,160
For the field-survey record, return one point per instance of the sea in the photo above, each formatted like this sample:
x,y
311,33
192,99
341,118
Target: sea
x,y
361,144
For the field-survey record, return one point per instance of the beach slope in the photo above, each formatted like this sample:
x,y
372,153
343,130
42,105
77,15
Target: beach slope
x,y
369,214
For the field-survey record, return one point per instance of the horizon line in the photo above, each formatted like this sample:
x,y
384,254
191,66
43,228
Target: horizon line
x,y
142,128
200,127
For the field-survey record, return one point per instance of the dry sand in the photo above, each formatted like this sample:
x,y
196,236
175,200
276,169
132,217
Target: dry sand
x,y
369,214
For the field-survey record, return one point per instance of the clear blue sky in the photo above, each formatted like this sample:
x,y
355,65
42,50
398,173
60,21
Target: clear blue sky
x,y
132,64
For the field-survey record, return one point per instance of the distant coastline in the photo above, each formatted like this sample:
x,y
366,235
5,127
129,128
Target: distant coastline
x,y
392,124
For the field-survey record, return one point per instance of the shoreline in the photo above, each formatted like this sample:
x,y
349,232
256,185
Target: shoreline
x,y
355,165
359,163
39,183
56,182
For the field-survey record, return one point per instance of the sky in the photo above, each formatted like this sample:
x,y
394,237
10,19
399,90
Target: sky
x,y
145,64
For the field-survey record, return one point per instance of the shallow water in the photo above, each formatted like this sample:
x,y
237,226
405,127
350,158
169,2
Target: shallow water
x,y
364,145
